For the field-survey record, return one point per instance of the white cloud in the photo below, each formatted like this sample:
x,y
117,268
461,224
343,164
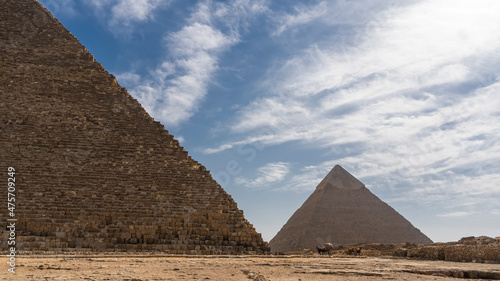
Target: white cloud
x,y
309,177
57,7
121,15
413,104
196,38
180,139
127,11
303,15
179,84
456,214
271,173
100,4
129,78
411,53
174,98
360,15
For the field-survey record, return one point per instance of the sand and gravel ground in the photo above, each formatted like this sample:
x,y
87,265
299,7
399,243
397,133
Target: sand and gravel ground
x,y
240,268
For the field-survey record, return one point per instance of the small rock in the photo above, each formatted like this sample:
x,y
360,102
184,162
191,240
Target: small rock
x,y
260,278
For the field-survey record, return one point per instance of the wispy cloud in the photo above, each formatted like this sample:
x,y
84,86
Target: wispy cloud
x,y
303,15
361,15
125,12
456,214
308,177
411,100
60,7
179,84
122,15
271,173
180,139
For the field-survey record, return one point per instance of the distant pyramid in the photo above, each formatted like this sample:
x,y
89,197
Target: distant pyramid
x,y
94,172
343,211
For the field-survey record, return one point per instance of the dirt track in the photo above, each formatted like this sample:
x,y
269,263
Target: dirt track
x,y
241,268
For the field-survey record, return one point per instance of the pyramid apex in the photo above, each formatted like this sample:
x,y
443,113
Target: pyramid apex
x,y
340,178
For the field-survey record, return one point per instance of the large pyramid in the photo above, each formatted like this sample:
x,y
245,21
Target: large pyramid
x,y
343,211
94,172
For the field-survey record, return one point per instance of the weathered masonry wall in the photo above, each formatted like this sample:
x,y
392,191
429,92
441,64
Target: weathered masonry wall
x,y
94,170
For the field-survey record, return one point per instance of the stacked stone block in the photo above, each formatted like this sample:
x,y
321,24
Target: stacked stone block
x,y
94,170
468,249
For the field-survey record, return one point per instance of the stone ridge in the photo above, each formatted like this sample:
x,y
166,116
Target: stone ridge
x,y
93,170
340,178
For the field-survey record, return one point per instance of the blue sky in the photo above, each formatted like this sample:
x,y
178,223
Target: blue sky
x,y
270,95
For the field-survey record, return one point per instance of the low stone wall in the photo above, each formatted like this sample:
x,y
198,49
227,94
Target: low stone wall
x,y
469,249
465,253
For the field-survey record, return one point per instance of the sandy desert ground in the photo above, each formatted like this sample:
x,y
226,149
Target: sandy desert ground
x,y
241,268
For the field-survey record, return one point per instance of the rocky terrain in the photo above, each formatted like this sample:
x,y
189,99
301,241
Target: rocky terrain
x,y
469,249
469,258
243,268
